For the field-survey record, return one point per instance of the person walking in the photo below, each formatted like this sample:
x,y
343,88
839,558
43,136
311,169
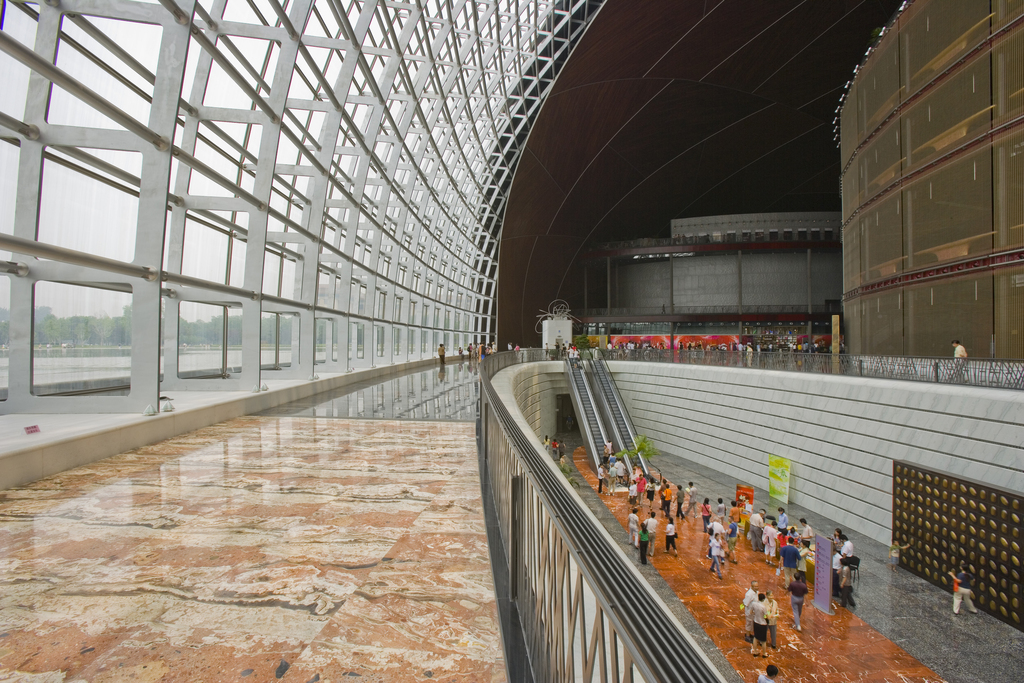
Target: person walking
x,y
643,540
679,501
846,585
783,519
772,617
440,353
962,584
666,498
716,555
749,598
600,478
705,513
632,493
691,506
733,536
721,509
758,611
641,488
650,496
670,538
797,590
790,561
959,361
634,528
652,531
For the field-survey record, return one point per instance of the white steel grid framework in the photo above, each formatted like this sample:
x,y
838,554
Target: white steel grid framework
x,y
328,176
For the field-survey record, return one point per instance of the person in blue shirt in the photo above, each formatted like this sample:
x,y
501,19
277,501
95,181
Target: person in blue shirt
x,y
783,519
790,560
734,531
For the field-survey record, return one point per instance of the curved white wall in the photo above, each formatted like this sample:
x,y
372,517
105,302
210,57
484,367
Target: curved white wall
x,y
841,433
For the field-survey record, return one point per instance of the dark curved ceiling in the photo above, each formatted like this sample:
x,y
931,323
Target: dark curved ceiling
x,y
672,109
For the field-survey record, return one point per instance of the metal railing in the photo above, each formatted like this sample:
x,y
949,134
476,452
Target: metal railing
x,y
976,372
726,237
586,612
836,307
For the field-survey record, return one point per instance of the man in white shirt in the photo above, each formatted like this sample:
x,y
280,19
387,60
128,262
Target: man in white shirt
x,y
807,533
652,530
836,566
756,530
748,600
847,549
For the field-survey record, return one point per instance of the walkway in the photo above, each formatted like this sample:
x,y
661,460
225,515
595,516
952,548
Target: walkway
x,y
832,648
261,548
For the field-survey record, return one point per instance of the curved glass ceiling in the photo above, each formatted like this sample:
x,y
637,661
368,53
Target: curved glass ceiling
x,y
208,195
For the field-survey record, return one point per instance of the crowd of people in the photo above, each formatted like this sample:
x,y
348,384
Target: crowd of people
x,y
660,508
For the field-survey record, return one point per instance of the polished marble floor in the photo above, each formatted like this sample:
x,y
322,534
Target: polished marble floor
x,y
449,393
263,548
829,648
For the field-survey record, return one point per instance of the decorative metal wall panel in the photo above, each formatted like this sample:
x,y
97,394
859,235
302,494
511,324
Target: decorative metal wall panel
x,y
948,520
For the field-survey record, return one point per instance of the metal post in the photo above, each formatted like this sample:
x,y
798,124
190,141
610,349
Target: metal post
x,y
739,289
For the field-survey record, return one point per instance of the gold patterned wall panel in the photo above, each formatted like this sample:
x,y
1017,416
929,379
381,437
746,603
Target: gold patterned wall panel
x,y
947,520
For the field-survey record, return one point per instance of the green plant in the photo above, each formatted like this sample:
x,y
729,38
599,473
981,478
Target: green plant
x,y
581,341
567,471
644,447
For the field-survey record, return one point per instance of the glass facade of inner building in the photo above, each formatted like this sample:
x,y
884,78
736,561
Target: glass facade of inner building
x,y
932,140
203,196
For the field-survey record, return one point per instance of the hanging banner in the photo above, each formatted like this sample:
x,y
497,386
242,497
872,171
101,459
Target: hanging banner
x,y
778,478
823,574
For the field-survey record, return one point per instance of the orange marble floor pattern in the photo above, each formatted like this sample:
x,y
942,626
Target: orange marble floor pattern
x,y
259,549
829,648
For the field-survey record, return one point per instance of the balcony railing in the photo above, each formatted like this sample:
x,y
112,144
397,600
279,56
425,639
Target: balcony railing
x,y
834,308
725,237
586,612
976,372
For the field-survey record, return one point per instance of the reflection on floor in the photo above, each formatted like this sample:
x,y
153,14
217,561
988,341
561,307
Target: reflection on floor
x,y
447,393
257,549
829,648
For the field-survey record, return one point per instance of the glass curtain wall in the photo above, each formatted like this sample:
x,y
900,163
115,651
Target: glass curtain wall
x,y
229,191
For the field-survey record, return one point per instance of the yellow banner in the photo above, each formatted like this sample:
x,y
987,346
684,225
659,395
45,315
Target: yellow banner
x,y
778,477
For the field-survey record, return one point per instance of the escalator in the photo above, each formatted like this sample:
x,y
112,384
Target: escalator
x,y
623,433
583,401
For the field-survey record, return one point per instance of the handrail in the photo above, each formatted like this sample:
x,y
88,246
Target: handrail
x,y
655,646
602,369
595,456
994,373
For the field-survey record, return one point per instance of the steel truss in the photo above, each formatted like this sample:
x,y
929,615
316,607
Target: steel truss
x,y
354,156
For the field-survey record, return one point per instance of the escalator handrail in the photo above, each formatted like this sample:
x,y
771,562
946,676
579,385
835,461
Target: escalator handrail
x,y
584,419
616,404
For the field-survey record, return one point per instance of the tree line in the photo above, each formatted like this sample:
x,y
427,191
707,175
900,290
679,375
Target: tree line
x,y
91,330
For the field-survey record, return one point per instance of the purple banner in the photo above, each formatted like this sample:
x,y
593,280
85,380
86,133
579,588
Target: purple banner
x,y
823,574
